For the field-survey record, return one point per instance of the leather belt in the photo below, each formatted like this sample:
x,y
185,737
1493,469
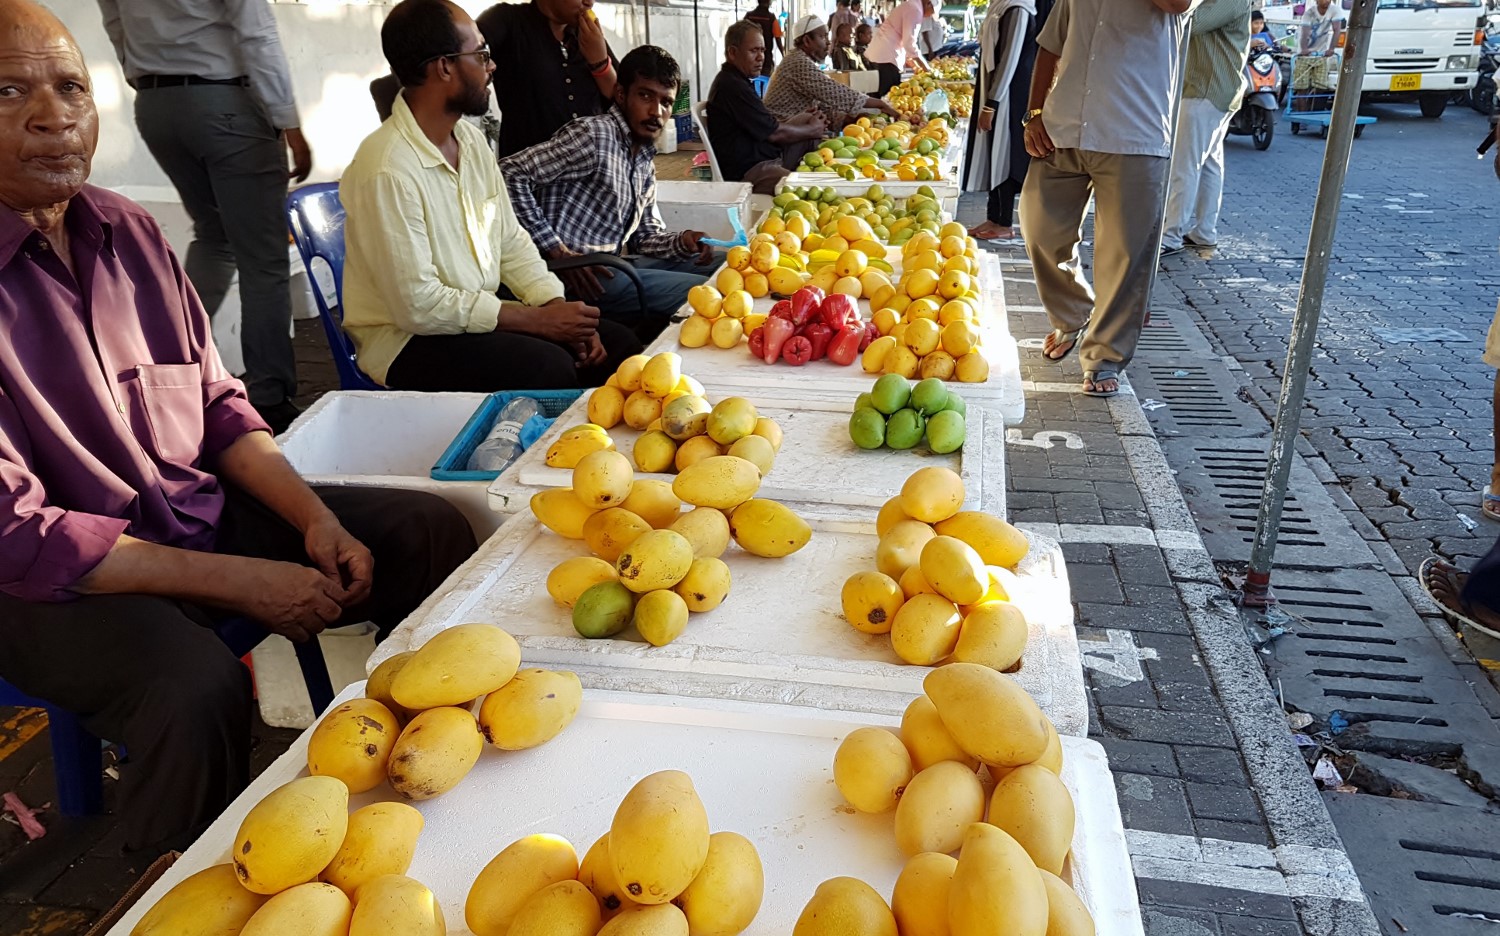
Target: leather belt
x,y
147,82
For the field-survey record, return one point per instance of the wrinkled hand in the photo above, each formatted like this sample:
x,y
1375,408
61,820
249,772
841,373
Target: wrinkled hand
x,y
584,281
881,105
693,241
567,323
986,120
301,154
292,600
342,559
590,352
591,40
1038,142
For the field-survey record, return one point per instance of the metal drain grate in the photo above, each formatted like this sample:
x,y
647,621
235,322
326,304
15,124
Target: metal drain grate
x,y
1433,869
1199,396
1161,336
1356,647
1172,335
1221,480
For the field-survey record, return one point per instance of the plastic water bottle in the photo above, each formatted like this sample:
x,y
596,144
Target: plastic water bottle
x,y
503,444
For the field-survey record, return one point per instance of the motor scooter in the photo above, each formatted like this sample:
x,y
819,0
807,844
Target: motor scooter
x,y
1258,112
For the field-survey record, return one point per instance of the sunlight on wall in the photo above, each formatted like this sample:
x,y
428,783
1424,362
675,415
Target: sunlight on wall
x,y
342,115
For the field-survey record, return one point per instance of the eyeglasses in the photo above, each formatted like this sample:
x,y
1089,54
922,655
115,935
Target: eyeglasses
x,y
482,53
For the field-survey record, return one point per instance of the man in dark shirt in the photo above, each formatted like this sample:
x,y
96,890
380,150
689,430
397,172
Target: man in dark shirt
x,y
770,30
750,144
552,65
845,56
862,36
142,499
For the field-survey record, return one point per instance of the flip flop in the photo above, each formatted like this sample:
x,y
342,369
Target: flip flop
x,y
1490,505
1059,336
1458,615
1097,377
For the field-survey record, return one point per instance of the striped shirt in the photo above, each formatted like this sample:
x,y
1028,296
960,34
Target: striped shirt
x,y
585,190
1220,40
798,85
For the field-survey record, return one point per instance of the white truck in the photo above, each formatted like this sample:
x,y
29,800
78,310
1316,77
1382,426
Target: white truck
x,y
1422,51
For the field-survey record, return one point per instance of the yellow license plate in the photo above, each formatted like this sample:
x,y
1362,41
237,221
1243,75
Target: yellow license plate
x,y
1406,82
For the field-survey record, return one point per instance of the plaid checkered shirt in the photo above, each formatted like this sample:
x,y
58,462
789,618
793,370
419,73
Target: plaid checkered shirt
x,y
585,190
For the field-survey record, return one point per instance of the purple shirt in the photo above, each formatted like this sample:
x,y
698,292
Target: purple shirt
x,y
112,398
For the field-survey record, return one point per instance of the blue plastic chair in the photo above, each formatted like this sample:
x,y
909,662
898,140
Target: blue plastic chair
x,y
77,761
759,84
316,217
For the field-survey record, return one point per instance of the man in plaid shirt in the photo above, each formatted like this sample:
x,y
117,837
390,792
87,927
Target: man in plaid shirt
x,y
592,188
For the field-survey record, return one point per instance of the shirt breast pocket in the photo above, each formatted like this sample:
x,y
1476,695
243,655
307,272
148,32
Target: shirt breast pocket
x,y
172,396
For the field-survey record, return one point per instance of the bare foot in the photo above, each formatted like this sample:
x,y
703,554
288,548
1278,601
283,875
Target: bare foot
x,y
1102,385
1056,347
1445,583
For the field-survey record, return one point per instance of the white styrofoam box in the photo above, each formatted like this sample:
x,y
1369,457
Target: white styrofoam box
x,y
737,369
782,622
387,438
703,206
764,771
945,190
818,470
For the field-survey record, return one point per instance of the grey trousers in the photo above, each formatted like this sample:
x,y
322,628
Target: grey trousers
x,y
229,166
1128,193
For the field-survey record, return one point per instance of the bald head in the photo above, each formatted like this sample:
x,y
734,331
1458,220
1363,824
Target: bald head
x,y
48,124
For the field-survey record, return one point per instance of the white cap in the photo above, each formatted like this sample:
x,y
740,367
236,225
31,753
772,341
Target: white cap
x,y
807,24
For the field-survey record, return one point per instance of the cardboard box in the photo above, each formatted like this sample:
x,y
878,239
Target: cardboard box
x,y
866,81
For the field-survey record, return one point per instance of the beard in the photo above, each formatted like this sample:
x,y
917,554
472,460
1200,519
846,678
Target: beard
x,y
473,101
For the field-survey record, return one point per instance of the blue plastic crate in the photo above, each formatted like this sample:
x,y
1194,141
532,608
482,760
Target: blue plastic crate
x,y
686,132
450,465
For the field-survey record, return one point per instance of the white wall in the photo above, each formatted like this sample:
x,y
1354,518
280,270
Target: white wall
x,y
334,49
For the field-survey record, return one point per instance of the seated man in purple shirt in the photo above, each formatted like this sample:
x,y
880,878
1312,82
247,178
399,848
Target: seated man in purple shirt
x,y
141,496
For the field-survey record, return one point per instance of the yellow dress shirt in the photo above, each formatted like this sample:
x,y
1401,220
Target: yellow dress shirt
x,y
428,245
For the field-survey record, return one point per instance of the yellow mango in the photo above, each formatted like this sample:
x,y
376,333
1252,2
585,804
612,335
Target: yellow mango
x,y
457,666
292,834
572,577
722,481
845,906
891,513
731,419
996,888
661,374
757,450
920,898
597,873
655,560
706,529
870,601
562,909
954,569
531,709
660,617
352,743
1032,804
572,445
642,410
993,634
914,583
652,500
997,542
1066,914
989,716
1052,757
932,495
658,920
437,750
609,532
938,805
695,331
900,547
381,839
606,406
768,528
658,841
871,769
705,586
395,903
602,479
208,903
378,686
725,896
629,372
925,630
308,910
521,871
927,740
693,451
560,511
767,428
685,417
654,452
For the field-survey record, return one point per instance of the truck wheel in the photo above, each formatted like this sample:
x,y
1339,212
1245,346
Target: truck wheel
x,y
1433,105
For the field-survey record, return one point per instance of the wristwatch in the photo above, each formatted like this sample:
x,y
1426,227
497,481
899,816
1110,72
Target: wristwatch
x,y
1030,115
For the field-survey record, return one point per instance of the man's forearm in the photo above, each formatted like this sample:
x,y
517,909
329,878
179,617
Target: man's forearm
x,y
1042,76
256,466
136,567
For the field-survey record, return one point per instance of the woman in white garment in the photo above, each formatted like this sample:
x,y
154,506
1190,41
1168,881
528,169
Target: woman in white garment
x,y
997,158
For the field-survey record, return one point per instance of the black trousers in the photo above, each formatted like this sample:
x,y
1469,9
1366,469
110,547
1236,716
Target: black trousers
x,y
486,363
890,76
1002,206
150,672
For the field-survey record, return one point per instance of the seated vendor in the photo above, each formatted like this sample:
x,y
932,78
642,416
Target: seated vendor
x,y
750,144
431,237
142,499
592,189
799,85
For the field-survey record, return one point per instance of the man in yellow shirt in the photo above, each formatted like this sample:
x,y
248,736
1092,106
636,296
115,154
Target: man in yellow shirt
x,y
431,237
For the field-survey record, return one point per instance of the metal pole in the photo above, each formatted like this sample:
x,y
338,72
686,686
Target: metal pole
x,y
646,5
697,57
1309,302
